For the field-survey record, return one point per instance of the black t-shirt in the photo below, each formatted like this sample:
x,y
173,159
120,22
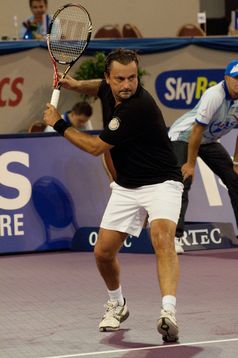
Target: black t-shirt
x,y
142,153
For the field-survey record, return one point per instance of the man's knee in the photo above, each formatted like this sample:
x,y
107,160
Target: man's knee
x,y
108,244
231,180
162,236
103,254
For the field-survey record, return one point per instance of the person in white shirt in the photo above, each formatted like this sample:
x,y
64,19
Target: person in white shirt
x,y
78,117
197,132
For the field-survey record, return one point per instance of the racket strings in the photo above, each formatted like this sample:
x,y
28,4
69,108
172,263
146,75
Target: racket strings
x,y
69,34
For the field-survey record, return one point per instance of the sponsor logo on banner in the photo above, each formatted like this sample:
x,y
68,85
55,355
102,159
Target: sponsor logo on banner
x,y
183,89
11,91
196,237
17,193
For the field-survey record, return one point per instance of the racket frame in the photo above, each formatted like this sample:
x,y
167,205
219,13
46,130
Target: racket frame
x,y
56,84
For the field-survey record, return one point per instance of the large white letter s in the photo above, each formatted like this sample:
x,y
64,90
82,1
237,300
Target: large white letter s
x,y
14,180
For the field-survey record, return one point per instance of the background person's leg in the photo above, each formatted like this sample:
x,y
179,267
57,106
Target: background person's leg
x,y
219,161
181,149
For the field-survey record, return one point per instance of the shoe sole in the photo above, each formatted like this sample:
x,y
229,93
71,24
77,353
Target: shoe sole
x,y
111,329
179,252
168,330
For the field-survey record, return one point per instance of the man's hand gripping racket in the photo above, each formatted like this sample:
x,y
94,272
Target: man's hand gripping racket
x,y
68,36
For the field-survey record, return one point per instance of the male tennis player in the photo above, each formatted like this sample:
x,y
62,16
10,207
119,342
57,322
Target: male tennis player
x,y
148,180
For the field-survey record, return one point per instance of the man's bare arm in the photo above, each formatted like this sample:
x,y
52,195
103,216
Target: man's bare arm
x,y
91,144
193,148
88,87
235,157
88,143
108,165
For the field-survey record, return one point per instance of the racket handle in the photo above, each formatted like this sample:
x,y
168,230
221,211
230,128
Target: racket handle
x,y
55,97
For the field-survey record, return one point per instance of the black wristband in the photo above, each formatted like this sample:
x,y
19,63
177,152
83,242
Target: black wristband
x,y
60,126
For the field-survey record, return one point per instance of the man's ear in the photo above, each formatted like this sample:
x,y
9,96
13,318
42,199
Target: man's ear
x,y
106,77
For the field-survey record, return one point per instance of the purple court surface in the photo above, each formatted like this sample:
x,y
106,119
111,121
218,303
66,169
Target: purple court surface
x,y
51,304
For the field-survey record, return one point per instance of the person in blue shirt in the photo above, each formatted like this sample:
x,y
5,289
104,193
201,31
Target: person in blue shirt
x,y
78,117
36,26
197,133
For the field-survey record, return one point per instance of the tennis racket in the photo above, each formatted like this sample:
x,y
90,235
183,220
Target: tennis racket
x,y
67,38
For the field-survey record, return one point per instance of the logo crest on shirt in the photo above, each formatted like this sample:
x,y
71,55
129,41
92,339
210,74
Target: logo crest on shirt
x,y
114,124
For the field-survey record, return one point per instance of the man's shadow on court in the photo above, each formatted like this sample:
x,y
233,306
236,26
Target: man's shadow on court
x,y
145,350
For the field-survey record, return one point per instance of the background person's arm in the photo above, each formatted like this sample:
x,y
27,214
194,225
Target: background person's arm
x,y
235,157
193,148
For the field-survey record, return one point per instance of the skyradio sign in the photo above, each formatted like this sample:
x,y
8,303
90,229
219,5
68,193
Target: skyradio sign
x,y
183,89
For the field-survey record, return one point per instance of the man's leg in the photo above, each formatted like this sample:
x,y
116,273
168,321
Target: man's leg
x,y
181,150
162,236
219,161
108,244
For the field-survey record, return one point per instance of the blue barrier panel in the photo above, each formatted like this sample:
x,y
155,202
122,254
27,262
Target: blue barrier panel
x,y
49,189
198,236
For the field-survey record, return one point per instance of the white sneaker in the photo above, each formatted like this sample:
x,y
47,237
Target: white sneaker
x,y
178,245
167,326
113,316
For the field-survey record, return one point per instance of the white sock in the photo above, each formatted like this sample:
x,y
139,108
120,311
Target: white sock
x,y
169,303
116,295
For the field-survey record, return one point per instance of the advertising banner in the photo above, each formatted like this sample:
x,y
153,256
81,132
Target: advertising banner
x,y
198,236
48,189
51,190
176,79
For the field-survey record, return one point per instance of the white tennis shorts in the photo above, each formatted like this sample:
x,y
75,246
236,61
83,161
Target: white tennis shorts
x,y
127,209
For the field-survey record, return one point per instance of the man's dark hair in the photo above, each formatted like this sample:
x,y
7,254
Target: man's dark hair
x,y
122,56
31,1
82,108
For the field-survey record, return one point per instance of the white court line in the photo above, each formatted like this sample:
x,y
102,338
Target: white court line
x,y
144,348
